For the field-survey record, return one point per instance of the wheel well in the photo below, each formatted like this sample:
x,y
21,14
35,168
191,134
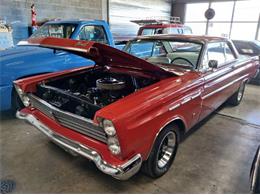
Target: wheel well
x,y
182,129
181,126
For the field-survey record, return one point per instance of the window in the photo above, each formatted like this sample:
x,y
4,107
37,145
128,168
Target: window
x,y
159,49
93,33
215,51
228,53
55,30
220,52
241,26
184,54
148,31
141,49
171,30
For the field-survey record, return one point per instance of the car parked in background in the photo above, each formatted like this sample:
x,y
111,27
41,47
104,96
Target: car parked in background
x,y
155,26
249,48
125,111
26,60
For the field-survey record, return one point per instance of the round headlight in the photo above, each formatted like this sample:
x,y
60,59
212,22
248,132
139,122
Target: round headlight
x,y
113,145
109,127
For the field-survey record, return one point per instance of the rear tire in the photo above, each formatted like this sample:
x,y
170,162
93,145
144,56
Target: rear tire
x,y
163,152
237,97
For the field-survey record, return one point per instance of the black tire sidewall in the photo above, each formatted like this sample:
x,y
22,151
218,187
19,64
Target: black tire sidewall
x,y
153,159
243,85
233,100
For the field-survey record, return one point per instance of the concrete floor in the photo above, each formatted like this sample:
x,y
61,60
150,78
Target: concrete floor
x,y
215,158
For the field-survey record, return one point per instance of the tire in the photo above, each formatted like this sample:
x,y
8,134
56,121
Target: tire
x,y
237,97
17,103
156,165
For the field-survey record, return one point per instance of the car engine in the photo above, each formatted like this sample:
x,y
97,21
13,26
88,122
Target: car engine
x,y
84,94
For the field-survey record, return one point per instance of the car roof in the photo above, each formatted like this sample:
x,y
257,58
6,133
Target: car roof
x,y
193,38
74,21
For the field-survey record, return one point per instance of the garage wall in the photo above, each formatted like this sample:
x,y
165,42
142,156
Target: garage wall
x,y
121,12
18,14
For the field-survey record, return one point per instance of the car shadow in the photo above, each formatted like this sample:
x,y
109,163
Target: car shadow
x,y
7,115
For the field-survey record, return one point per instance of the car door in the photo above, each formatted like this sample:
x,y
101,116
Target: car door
x,y
218,81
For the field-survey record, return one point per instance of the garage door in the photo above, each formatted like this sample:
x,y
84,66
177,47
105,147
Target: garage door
x,y
122,11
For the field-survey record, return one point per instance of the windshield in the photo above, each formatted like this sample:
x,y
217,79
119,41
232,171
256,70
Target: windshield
x,y
55,30
176,53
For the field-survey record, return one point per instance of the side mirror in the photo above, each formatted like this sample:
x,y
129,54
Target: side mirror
x,y
213,64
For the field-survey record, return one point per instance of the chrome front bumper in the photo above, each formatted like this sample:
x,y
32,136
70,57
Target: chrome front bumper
x,y
121,172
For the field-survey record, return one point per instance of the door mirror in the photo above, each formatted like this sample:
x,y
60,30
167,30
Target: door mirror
x,y
213,64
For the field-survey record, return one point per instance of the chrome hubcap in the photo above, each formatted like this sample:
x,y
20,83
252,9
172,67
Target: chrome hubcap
x,y
166,149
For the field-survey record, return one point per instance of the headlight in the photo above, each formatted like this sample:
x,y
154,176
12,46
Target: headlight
x,y
112,141
25,99
113,145
109,127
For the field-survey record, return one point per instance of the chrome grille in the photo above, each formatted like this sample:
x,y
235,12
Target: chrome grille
x,y
69,120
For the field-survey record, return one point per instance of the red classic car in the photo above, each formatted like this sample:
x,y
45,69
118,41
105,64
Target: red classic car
x,y
125,111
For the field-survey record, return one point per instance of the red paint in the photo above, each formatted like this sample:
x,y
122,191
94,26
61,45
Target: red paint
x,y
139,117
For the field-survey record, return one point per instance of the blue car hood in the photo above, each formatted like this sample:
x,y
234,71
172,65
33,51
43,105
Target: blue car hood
x,y
21,61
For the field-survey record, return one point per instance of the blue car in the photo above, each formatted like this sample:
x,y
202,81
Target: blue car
x,y
24,60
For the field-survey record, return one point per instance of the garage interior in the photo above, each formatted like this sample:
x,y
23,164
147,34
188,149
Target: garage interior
x,y
215,156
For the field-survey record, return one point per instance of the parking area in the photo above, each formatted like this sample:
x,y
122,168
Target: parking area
x,y
215,157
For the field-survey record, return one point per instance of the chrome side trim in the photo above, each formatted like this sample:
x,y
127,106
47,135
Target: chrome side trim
x,y
185,100
121,172
224,87
174,107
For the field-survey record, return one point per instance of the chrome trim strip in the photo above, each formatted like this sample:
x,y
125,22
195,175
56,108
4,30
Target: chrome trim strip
x,y
185,100
223,87
174,107
69,120
64,112
121,172
196,95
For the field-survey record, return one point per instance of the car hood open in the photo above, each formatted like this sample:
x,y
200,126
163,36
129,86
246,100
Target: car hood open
x,y
102,54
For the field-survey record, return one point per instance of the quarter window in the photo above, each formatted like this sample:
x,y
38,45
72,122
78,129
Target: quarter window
x,y
215,52
228,53
93,33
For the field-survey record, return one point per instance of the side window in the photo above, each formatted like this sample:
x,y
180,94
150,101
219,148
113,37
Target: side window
x,y
171,30
141,50
215,51
148,31
228,53
159,49
93,33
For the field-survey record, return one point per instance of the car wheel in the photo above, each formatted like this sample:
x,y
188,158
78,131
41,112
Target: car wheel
x,y
237,97
17,103
163,152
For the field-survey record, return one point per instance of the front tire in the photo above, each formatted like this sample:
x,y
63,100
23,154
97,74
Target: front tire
x,y
163,152
237,97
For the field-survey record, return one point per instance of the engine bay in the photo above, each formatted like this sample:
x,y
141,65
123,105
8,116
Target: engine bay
x,y
85,93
